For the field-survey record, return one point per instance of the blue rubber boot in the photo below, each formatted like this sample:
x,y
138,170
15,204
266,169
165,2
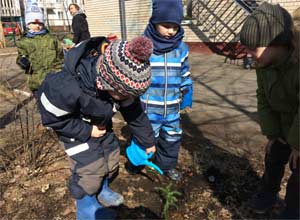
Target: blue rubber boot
x,y
88,208
107,197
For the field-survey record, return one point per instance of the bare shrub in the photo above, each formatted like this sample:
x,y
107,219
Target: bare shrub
x,y
25,139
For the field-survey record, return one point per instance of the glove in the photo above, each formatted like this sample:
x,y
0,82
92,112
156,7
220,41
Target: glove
x,y
67,44
187,97
24,63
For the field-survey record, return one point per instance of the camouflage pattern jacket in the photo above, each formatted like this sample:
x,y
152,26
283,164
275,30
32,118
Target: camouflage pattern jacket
x,y
44,55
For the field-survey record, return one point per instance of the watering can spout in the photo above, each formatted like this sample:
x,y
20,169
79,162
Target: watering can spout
x,y
155,167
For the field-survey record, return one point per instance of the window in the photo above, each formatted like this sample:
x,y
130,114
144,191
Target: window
x,y
60,15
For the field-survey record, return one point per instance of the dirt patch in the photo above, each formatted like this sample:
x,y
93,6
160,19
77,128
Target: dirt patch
x,y
216,185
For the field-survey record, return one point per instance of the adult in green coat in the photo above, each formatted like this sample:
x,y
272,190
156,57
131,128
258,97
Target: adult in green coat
x,y
269,37
38,52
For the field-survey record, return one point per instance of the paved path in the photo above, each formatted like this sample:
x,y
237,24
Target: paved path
x,y
10,73
224,102
13,77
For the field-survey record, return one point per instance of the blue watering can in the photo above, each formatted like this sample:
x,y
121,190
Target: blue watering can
x,y
138,156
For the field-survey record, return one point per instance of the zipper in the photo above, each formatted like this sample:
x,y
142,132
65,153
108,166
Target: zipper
x,y
166,85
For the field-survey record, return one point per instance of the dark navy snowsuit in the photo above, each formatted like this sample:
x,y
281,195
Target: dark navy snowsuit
x,y
70,104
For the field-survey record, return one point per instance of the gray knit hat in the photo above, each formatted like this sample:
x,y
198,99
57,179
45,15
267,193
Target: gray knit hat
x,y
33,13
124,67
268,23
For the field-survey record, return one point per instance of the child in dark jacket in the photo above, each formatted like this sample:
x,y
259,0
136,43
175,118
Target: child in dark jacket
x,y
171,86
269,37
79,102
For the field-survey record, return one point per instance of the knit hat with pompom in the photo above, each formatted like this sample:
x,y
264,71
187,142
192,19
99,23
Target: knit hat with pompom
x,y
124,67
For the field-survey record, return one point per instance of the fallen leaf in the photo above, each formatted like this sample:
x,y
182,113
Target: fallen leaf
x,y
45,187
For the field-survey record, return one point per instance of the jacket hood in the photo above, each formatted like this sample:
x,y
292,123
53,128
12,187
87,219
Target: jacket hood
x,y
80,13
81,61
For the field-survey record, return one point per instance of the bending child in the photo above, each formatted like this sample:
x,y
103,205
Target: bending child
x,y
79,102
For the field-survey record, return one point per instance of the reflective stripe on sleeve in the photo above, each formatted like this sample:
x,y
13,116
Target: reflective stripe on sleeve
x,y
77,149
52,108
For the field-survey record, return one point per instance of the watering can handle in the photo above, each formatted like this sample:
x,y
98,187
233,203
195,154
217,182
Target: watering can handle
x,y
150,155
150,164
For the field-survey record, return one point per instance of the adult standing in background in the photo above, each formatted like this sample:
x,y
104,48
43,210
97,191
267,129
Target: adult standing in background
x,y
80,26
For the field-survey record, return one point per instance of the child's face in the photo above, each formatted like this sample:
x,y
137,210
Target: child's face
x,y
117,96
35,27
166,29
266,56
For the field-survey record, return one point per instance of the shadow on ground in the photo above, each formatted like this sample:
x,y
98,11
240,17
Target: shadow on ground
x,y
139,212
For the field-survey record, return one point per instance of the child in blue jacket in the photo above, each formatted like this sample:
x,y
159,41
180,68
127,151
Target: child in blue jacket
x,y
171,86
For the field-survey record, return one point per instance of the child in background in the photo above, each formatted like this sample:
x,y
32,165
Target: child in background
x,y
171,86
38,52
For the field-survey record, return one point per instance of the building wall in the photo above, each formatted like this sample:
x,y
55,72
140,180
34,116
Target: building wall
x,y
289,5
10,8
104,18
137,16
56,11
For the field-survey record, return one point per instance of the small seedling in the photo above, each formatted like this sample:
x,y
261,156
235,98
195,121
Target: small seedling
x,y
169,197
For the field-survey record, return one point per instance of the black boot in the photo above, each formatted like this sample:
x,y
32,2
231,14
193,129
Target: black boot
x,y
275,162
292,195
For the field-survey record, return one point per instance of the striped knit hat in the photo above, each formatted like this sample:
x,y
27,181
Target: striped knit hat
x,y
124,67
267,24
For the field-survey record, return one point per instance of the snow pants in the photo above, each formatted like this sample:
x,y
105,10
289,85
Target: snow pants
x,y
91,162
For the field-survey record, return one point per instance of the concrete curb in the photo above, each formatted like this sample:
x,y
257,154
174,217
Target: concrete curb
x,y
9,54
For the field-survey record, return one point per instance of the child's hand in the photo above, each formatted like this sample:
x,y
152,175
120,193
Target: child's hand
x,y
97,132
150,149
294,158
187,99
186,110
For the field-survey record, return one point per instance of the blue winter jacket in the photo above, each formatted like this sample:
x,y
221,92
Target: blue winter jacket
x,y
171,84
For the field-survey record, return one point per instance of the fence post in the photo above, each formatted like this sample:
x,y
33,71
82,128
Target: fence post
x,y
123,19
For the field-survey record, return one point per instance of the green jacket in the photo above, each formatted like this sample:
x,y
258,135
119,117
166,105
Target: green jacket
x,y
278,101
44,54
